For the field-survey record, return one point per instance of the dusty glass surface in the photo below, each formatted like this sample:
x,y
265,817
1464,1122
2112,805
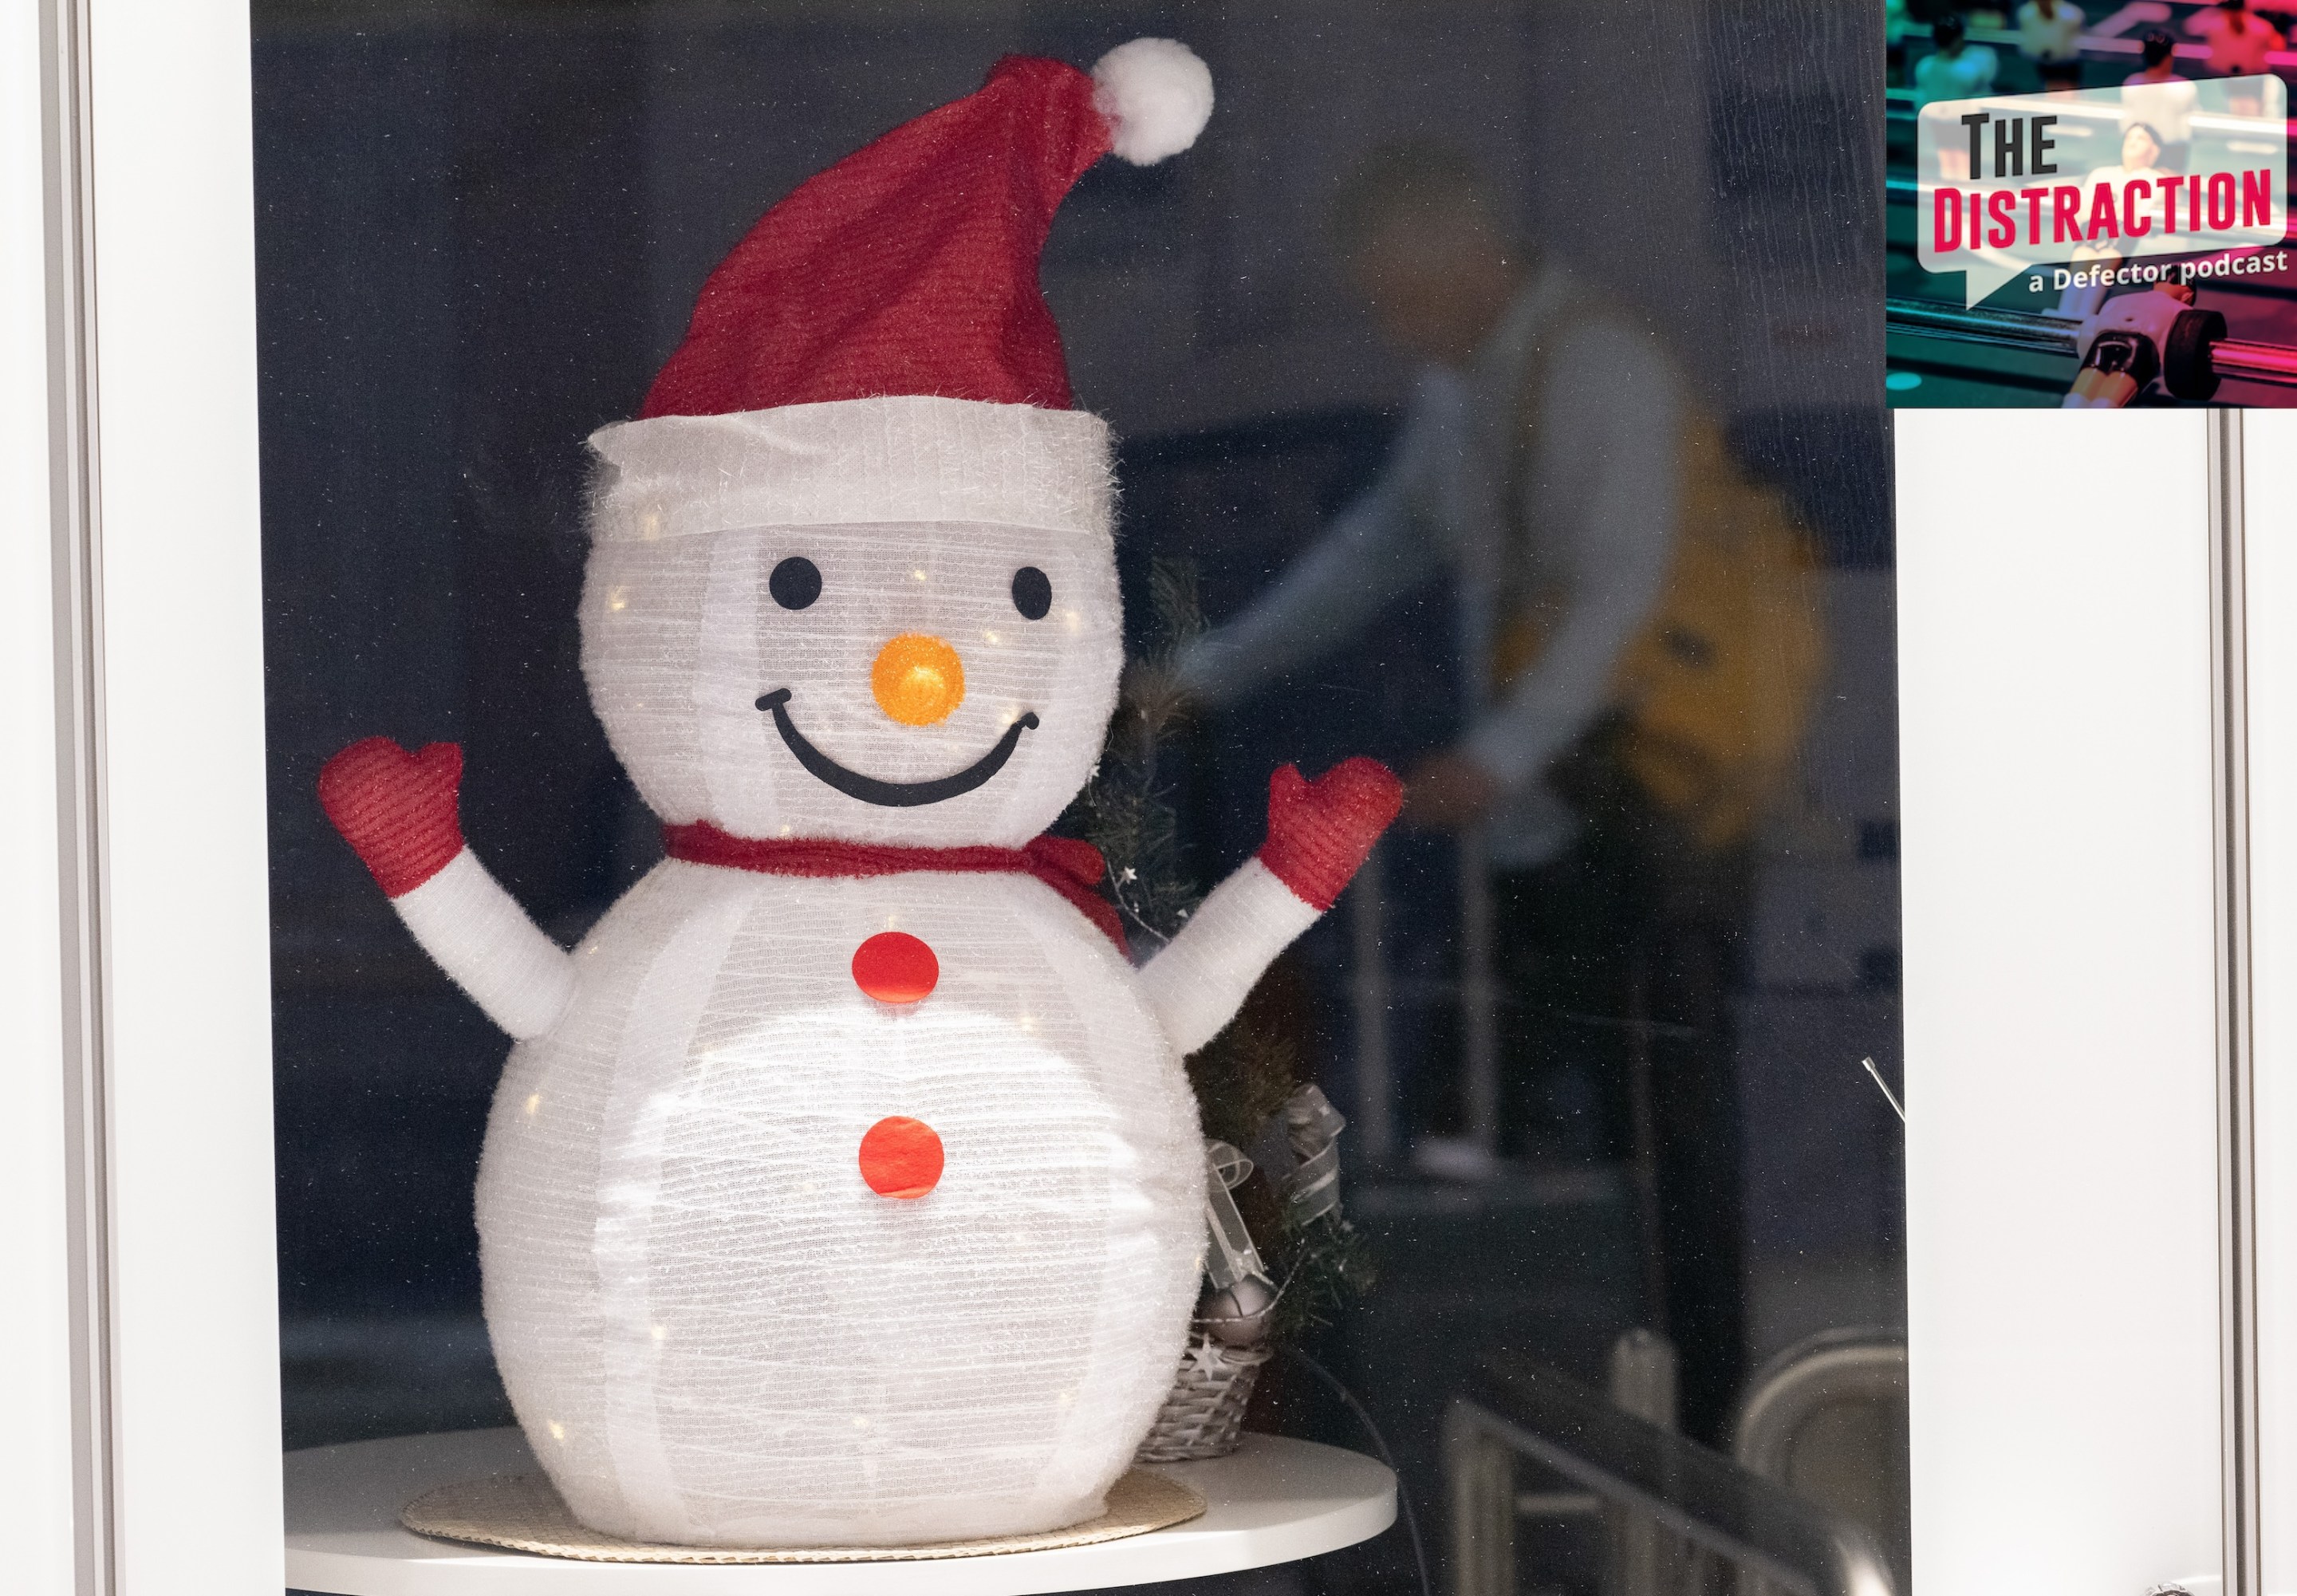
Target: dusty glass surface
x,y
1498,383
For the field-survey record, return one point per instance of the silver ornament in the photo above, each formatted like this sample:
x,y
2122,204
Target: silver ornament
x,y
1238,1315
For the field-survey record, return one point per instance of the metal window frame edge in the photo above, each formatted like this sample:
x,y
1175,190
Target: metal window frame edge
x,y
75,535
2236,1084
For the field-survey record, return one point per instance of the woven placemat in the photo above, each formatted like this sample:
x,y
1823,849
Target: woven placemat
x,y
522,1512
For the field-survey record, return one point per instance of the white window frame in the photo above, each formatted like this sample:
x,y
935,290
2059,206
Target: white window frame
x,y
2098,750
2062,868
2056,844
139,1393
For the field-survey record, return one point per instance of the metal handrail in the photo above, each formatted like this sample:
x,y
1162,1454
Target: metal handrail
x,y
2271,363
1515,1403
1836,1367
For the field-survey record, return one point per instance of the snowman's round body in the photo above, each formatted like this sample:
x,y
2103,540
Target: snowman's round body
x,y
715,1332
850,622
714,1329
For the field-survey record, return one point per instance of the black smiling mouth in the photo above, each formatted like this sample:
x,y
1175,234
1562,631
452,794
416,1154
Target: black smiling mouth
x,y
892,794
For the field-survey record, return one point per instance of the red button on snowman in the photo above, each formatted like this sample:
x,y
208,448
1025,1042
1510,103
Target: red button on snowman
x,y
843,1187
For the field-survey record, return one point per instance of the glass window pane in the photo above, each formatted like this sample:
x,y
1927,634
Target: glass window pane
x,y
1493,389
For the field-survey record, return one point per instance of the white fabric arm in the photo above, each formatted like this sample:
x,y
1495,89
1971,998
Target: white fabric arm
x,y
1197,981
1612,419
484,941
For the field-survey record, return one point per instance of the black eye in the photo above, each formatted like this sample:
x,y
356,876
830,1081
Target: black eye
x,y
1033,592
796,583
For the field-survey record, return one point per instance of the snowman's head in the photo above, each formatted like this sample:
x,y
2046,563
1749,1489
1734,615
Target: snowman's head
x,y
886,621
853,575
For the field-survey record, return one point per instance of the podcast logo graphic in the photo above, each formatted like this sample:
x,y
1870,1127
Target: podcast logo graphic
x,y
2084,186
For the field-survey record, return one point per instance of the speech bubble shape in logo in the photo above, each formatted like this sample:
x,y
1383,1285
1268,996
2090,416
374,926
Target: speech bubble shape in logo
x,y
2010,183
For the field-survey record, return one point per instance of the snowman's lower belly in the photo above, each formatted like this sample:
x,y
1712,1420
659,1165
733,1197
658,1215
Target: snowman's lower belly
x,y
715,1332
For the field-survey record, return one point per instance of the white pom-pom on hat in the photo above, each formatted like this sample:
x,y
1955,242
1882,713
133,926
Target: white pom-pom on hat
x,y
1157,95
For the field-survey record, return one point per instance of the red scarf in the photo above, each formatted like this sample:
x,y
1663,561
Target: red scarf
x,y
1070,867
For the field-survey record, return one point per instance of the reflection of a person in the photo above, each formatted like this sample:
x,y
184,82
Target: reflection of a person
x,y
2239,41
1543,462
1450,286
2157,96
2049,34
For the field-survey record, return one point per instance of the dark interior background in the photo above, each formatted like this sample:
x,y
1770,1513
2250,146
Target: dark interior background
x,y
482,228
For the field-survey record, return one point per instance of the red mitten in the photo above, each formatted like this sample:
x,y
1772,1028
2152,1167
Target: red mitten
x,y
1321,832
396,809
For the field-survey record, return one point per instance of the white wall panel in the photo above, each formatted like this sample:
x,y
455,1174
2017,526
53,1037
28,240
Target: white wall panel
x,y
196,1388
2056,759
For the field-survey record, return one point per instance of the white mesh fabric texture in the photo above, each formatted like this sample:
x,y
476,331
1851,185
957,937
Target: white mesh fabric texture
x,y
891,459
715,1333
1198,980
680,637
486,943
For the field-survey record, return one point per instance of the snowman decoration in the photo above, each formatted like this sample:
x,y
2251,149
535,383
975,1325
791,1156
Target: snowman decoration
x,y
843,1187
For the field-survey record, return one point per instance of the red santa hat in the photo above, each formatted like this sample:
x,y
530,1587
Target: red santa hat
x,y
911,267
877,348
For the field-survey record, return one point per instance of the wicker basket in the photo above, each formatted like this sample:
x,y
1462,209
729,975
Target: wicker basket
x,y
1202,1414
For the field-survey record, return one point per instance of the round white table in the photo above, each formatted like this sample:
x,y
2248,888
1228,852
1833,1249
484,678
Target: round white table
x,y
1273,1501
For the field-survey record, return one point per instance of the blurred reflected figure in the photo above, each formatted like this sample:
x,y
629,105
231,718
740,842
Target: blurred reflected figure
x,y
1640,626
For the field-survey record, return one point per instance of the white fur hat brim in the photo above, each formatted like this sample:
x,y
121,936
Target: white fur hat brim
x,y
898,458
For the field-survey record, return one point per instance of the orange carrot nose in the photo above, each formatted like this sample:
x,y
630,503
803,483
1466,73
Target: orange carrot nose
x,y
918,680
